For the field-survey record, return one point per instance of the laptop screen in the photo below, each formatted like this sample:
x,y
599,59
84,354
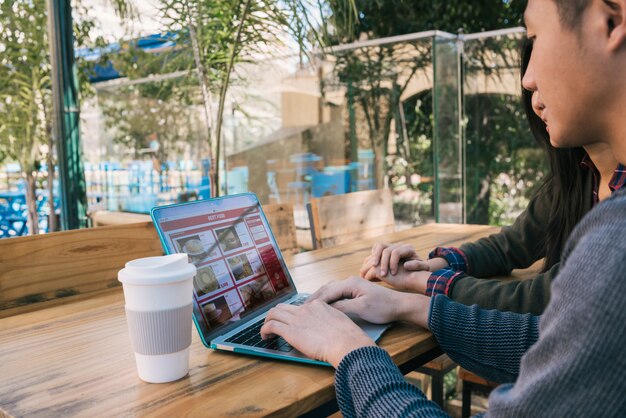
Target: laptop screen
x,y
239,267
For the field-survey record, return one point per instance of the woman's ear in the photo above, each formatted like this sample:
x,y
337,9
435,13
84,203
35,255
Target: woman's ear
x,y
616,23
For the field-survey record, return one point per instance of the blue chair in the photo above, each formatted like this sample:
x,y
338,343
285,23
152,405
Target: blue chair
x,y
305,164
330,184
237,179
13,213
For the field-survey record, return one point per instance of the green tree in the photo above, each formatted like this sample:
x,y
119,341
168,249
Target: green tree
x,y
25,89
383,18
230,32
25,92
371,76
158,114
159,124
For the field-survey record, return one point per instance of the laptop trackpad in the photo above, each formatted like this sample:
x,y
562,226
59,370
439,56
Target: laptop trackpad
x,y
374,331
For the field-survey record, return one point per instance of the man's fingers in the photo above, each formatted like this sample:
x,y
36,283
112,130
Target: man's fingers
x,y
272,328
348,306
335,291
281,312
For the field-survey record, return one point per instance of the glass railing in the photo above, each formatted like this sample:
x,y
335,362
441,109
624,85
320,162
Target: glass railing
x,y
503,164
434,117
144,145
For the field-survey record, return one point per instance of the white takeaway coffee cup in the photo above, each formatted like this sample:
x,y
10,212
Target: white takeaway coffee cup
x,y
159,293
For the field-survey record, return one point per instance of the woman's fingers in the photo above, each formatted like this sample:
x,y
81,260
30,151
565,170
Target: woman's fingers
x,y
368,263
401,252
416,265
377,251
372,275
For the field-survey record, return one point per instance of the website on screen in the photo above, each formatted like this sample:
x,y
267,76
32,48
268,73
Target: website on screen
x,y
238,268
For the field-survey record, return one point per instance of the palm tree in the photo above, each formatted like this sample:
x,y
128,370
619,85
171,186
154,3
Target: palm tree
x,y
225,33
25,98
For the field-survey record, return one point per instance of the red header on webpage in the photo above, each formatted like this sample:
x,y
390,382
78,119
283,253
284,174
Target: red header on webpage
x,y
204,219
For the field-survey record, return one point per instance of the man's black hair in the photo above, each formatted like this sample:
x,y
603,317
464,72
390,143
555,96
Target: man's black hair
x,y
571,12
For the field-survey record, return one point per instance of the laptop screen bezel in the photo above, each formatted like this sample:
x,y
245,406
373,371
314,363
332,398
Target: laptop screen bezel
x,y
248,200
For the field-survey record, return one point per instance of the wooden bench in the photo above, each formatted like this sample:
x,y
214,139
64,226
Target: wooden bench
x,y
349,217
107,218
41,270
472,382
279,216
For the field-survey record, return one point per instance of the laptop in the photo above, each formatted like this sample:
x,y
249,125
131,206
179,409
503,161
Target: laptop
x,y
241,273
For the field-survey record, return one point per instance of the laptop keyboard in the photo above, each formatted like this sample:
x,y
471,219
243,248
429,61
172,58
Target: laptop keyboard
x,y
251,335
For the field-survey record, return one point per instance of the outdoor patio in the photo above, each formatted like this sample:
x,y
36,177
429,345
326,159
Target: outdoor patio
x,y
405,129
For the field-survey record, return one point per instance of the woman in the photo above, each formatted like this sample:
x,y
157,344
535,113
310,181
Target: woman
x,y
579,178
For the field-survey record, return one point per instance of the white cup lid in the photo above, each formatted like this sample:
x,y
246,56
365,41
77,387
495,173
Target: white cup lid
x,y
157,270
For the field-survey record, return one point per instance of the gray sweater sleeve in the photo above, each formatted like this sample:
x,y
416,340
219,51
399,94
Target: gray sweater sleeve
x,y
368,384
575,368
489,343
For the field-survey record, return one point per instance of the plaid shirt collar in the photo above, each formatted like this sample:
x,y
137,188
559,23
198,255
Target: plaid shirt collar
x,y
616,182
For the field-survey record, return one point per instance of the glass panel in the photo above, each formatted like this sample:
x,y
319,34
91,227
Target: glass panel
x,y
447,137
358,118
448,149
384,94
505,165
144,145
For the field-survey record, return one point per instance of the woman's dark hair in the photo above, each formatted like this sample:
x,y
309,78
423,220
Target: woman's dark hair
x,y
564,182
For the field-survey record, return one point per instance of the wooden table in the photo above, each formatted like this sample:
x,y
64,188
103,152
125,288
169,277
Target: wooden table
x,y
76,359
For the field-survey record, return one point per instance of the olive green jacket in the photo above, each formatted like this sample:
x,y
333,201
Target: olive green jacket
x,y
514,247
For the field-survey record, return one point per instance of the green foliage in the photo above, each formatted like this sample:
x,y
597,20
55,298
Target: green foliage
x,y
212,38
25,88
383,18
378,77
143,125
24,81
420,126
504,164
153,118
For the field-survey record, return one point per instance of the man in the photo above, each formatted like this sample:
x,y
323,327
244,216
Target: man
x,y
576,366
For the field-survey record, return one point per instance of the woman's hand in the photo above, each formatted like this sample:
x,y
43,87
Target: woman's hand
x,y
388,258
433,264
317,330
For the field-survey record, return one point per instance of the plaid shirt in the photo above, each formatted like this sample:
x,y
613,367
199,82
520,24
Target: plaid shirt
x,y
441,280
616,182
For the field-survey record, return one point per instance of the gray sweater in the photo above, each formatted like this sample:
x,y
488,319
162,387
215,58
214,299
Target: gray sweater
x,y
576,366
